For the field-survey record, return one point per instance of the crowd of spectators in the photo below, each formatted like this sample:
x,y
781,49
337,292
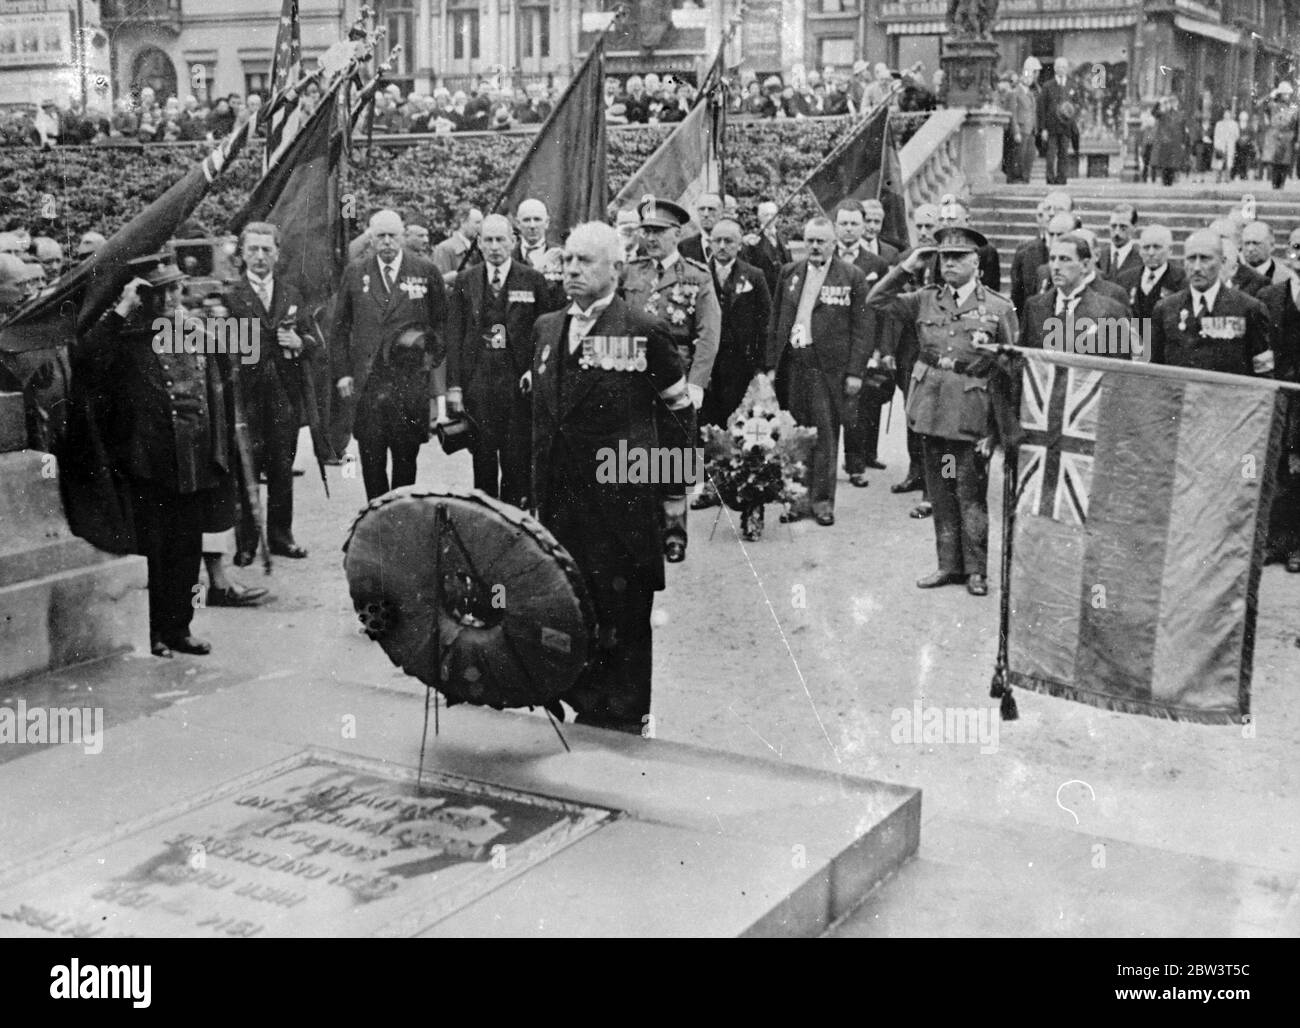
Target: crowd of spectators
x,y
141,118
484,106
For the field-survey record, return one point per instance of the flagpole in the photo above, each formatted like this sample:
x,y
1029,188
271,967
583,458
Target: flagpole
x,y
597,47
840,148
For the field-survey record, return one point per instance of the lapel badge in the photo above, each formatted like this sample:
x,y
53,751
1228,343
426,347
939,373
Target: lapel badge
x,y
365,283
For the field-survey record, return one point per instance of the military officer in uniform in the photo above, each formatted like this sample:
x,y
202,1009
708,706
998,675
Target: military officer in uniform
x,y
678,291
948,404
1208,324
489,333
606,376
171,419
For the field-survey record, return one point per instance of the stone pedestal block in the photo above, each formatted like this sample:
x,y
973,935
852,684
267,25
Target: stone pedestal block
x,y
62,601
981,148
969,67
13,425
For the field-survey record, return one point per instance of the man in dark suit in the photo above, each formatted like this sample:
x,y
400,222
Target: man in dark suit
x,y
708,209
818,346
873,215
490,318
388,322
1058,107
897,342
171,438
765,249
1208,324
1071,317
606,376
746,309
1123,253
1157,278
1283,302
1033,252
862,432
272,389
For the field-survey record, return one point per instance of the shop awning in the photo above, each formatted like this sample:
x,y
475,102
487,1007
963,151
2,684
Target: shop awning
x,y
1208,29
1028,23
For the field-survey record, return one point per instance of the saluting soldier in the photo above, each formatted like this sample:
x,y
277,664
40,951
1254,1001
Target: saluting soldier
x,y
1208,324
173,415
948,404
678,291
605,379
489,347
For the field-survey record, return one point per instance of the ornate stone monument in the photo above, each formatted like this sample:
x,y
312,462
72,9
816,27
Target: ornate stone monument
x,y
970,55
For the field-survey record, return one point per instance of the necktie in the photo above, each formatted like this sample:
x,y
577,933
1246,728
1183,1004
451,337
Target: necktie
x,y
1066,304
263,288
708,251
1200,306
1148,282
496,280
388,278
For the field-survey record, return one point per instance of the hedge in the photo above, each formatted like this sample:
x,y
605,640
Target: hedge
x,y
102,187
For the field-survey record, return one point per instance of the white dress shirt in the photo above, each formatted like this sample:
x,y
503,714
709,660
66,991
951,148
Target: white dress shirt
x,y
581,322
1203,303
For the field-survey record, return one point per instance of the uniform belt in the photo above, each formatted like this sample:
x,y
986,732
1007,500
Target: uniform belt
x,y
978,368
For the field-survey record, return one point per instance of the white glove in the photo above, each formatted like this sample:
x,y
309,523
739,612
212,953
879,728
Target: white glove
x,y
696,393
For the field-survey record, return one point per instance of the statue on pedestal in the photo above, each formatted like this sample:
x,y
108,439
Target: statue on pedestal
x,y
972,18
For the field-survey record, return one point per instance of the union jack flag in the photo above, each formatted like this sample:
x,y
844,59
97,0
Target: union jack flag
x,y
286,67
1058,413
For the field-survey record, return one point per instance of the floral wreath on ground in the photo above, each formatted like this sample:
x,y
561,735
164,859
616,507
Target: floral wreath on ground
x,y
761,456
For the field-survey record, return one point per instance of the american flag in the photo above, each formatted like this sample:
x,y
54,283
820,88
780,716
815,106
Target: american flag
x,y
286,67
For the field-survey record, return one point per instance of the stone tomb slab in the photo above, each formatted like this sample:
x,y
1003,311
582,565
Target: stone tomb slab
x,y
313,845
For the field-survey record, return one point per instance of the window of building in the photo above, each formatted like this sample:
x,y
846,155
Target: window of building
x,y
838,52
257,82
534,32
398,18
837,6
464,34
202,76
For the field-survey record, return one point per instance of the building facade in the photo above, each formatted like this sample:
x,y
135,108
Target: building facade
x,y
1139,49
52,50
215,47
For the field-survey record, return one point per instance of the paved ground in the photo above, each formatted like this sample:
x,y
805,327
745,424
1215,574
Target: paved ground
x,y
802,647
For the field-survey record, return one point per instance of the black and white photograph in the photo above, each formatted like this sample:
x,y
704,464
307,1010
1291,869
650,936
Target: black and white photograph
x,y
652,469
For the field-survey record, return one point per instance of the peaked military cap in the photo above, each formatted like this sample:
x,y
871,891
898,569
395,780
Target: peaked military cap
x,y
656,213
958,239
158,269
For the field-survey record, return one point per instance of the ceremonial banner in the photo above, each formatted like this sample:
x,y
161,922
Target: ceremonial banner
x,y
299,195
865,167
565,165
687,164
83,294
1140,506
93,492
286,64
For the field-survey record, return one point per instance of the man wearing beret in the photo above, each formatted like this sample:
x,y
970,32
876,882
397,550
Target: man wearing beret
x,y
948,404
679,292
170,438
388,322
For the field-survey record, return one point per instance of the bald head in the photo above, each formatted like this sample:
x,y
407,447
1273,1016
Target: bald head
x,y
533,220
707,211
1257,243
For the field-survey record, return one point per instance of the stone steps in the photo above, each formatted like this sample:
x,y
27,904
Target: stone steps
x,y
1006,215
